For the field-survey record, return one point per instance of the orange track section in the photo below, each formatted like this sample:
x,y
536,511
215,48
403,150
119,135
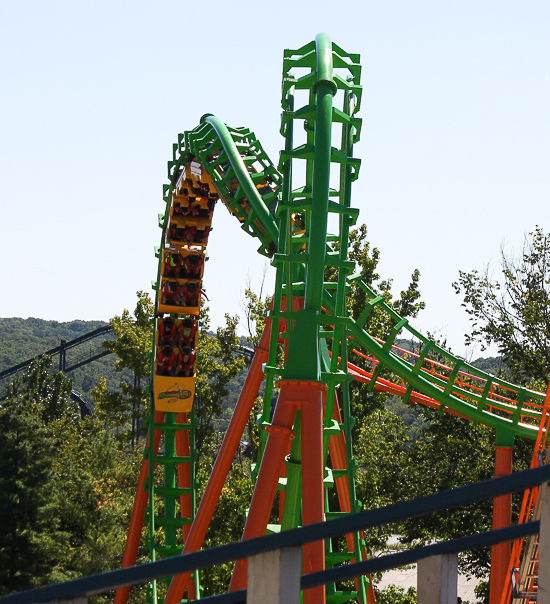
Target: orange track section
x,y
465,383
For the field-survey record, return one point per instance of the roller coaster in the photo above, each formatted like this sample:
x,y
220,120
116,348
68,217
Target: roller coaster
x,y
306,446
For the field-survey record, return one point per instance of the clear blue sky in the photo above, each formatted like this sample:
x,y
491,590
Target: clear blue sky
x,y
455,146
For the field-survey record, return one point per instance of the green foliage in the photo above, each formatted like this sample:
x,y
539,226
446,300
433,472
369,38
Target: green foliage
x,y
256,307
513,312
408,303
451,453
133,337
66,489
217,365
23,339
92,500
394,594
49,394
26,475
124,408
380,450
229,518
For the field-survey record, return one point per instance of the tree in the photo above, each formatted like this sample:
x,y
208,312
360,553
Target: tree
x,y
124,408
451,452
381,453
26,450
92,500
67,490
228,521
394,594
513,311
29,435
255,307
48,395
407,304
217,365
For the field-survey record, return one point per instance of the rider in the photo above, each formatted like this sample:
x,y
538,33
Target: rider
x,y
189,234
171,293
173,265
165,360
186,334
190,293
185,365
201,235
168,332
193,265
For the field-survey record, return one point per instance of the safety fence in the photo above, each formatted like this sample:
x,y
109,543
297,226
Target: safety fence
x,y
280,553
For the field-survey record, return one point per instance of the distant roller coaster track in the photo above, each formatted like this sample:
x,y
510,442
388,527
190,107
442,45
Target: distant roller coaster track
x,y
61,350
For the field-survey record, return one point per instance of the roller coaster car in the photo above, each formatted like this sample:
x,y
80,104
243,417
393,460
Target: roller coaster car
x,y
181,263
192,206
175,364
176,334
174,394
191,213
191,172
189,231
240,207
181,296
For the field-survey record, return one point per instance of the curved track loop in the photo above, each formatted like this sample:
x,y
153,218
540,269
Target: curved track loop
x,y
432,371
243,175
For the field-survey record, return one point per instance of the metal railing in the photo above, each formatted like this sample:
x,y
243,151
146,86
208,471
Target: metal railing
x,y
289,542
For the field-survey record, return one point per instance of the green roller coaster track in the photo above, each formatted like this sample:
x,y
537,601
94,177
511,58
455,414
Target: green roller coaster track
x,y
287,210
214,143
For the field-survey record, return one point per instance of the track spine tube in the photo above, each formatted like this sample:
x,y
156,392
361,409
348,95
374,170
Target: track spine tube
x,y
324,89
238,165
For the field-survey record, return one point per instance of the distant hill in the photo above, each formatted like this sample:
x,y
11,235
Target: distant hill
x,y
22,339
493,365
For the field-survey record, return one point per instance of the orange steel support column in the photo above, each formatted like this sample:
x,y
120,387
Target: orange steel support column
x,y
502,517
308,395
138,512
313,496
279,436
223,463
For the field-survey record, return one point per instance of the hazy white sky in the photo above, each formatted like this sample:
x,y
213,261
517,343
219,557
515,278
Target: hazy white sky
x,y
455,143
